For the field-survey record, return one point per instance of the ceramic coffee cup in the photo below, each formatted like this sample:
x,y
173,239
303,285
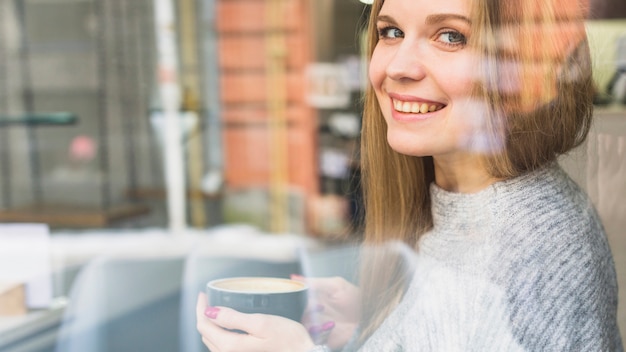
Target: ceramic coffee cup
x,y
266,295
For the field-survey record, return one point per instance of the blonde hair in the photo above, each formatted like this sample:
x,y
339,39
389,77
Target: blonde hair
x,y
525,130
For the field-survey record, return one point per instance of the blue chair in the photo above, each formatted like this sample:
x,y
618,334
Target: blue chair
x,y
123,305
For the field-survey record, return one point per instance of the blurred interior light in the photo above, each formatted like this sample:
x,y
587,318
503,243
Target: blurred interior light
x,y
369,2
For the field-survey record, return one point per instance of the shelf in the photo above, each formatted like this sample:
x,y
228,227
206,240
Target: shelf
x,y
40,119
72,216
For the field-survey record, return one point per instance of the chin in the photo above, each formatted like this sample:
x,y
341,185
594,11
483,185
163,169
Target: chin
x,y
406,147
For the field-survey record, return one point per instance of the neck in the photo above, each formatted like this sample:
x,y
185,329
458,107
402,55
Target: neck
x,y
462,173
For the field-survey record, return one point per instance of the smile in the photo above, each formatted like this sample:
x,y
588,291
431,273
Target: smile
x,y
415,107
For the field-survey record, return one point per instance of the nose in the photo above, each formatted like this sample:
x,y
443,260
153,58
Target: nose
x,y
407,62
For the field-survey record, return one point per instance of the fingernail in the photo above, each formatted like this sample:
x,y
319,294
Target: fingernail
x,y
318,329
211,312
328,326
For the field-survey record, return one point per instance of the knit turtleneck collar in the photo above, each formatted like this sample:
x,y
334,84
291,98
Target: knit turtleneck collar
x,y
463,213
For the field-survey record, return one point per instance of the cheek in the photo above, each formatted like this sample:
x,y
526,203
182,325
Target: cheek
x,y
459,78
376,70
459,81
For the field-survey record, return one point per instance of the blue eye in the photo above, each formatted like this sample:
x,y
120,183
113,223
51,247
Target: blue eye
x,y
390,32
453,38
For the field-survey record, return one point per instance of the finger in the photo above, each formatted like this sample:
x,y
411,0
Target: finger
x,y
314,308
326,285
311,320
318,288
235,342
320,333
321,338
316,285
209,345
203,311
224,340
308,280
201,305
339,336
253,324
298,277
314,314
205,325
217,333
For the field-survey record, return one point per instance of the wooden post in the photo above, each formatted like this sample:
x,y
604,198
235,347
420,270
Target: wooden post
x,y
277,101
190,75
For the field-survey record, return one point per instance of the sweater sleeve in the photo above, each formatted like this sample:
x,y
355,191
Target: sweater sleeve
x,y
563,295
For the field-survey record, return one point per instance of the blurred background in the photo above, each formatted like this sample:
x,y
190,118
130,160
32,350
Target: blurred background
x,y
161,133
268,112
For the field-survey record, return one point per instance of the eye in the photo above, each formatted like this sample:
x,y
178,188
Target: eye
x,y
390,33
452,38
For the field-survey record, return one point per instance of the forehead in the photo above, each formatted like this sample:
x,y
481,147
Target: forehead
x,y
416,8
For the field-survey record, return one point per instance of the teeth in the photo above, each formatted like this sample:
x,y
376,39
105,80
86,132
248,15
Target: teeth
x,y
415,108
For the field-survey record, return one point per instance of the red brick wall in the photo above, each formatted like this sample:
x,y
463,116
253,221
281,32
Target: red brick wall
x,y
243,28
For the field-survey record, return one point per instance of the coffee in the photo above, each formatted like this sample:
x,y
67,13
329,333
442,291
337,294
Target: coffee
x,y
265,295
259,285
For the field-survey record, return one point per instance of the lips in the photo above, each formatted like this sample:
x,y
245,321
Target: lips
x,y
415,107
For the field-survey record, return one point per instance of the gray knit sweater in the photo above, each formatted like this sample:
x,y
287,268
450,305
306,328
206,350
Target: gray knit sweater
x,y
523,265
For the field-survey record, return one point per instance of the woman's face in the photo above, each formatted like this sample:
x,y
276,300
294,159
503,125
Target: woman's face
x,y
423,72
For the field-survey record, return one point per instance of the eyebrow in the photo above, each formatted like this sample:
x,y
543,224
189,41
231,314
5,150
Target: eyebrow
x,y
441,17
430,19
388,19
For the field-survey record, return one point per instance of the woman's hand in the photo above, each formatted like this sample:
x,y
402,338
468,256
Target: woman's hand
x,y
264,332
334,310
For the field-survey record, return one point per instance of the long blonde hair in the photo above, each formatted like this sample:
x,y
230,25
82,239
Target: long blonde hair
x,y
525,131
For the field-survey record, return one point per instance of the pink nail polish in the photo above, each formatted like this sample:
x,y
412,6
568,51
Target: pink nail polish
x,y
328,326
319,329
211,312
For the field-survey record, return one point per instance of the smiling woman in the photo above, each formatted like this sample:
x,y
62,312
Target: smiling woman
x,y
475,238
513,80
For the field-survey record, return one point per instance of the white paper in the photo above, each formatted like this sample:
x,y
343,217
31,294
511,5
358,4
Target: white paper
x,y
328,86
25,258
